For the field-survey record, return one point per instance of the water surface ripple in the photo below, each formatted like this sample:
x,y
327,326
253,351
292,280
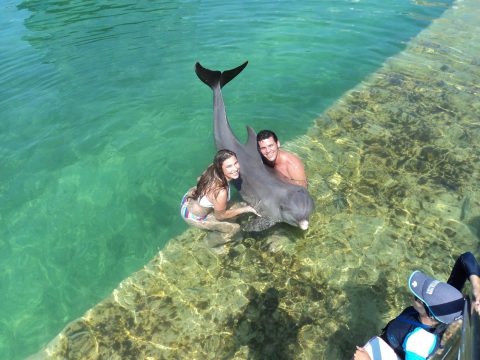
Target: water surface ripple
x,y
104,125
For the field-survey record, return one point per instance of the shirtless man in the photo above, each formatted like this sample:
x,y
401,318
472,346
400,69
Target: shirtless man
x,y
287,165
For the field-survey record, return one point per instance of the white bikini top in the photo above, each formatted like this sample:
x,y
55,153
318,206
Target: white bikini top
x,y
204,202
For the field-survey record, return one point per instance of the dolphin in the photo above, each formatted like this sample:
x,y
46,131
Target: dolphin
x,y
275,200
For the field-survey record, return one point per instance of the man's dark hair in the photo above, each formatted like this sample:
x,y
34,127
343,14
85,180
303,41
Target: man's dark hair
x,y
265,134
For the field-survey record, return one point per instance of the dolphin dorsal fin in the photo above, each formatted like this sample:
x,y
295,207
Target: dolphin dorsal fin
x,y
252,137
251,144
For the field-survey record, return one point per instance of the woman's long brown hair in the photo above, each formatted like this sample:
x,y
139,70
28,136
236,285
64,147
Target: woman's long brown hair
x,y
213,180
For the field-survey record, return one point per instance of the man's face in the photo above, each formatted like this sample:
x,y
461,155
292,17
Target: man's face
x,y
269,148
418,305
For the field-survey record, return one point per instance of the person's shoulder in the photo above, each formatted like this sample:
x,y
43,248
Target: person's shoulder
x,y
419,344
291,158
409,311
222,191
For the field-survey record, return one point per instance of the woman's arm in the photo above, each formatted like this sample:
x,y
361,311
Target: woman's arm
x,y
220,207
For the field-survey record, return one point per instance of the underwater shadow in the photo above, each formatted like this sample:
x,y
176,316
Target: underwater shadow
x,y
474,226
269,332
363,309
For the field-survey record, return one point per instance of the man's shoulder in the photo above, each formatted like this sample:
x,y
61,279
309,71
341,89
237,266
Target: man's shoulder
x,y
292,168
289,157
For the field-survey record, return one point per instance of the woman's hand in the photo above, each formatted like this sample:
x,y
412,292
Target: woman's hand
x,y
361,354
252,210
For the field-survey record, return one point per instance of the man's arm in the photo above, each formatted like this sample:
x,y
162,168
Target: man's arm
x,y
475,280
467,267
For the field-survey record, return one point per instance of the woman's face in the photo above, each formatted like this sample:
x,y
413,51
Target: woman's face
x,y
231,168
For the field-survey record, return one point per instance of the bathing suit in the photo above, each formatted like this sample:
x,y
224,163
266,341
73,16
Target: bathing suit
x,y
203,202
187,214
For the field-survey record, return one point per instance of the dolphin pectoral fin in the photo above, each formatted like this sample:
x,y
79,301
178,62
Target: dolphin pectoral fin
x,y
258,224
214,77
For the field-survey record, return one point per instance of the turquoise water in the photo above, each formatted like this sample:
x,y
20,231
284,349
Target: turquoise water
x,y
104,125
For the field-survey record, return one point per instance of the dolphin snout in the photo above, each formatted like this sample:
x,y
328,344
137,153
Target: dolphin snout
x,y
303,224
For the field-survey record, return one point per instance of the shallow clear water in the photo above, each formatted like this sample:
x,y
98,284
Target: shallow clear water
x,y
393,165
104,125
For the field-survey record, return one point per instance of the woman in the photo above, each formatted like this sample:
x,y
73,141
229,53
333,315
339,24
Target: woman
x,y
205,206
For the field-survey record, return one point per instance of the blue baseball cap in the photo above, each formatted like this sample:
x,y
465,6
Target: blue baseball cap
x,y
443,300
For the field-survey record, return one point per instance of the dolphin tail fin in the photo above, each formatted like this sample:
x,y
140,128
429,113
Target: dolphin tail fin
x,y
228,75
214,77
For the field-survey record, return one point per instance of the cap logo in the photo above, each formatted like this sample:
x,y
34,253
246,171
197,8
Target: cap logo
x,y
432,287
414,284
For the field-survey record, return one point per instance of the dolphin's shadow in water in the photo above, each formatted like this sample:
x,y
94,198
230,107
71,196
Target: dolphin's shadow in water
x,y
474,226
268,331
363,317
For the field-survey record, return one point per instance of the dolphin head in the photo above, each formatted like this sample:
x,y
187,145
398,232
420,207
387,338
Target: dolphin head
x,y
297,208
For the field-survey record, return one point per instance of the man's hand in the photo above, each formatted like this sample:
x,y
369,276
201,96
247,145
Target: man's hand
x,y
361,354
475,281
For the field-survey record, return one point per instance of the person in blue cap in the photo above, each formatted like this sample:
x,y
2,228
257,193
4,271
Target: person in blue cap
x,y
416,333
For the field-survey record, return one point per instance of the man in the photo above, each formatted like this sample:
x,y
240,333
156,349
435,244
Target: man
x,y
416,333
287,166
